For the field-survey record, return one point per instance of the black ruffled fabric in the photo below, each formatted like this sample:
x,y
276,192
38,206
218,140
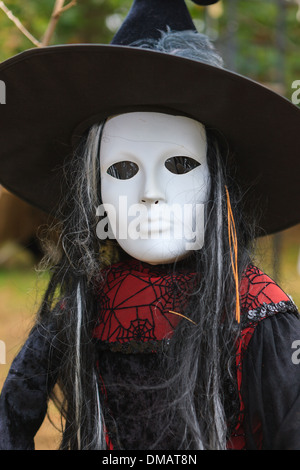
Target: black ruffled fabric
x,y
271,385
270,390
24,397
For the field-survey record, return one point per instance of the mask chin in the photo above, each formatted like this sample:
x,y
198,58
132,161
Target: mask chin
x,y
156,254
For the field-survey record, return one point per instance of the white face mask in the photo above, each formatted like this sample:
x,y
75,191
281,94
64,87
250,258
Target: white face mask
x,y
154,184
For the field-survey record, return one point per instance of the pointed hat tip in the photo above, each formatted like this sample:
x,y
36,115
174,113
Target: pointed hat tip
x,y
147,18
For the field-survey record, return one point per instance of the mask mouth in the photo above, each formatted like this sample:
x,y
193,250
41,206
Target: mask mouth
x,y
178,221
158,228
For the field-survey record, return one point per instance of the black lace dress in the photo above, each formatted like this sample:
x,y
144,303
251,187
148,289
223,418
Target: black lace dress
x,y
127,339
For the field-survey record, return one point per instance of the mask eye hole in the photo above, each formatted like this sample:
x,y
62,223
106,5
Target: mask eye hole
x,y
180,165
123,170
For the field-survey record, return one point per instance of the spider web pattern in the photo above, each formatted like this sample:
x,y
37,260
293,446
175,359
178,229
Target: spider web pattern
x,y
134,302
257,288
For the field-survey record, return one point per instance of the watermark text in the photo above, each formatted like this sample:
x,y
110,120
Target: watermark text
x,y
296,93
138,221
2,92
2,352
296,353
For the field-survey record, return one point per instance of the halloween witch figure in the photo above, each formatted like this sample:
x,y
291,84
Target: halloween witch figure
x,y
160,167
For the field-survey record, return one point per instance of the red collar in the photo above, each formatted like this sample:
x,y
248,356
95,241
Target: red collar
x,y
135,301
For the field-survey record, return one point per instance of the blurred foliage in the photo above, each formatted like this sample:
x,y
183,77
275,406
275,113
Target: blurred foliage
x,y
258,38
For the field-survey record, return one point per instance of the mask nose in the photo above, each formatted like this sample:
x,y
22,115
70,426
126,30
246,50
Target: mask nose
x,y
152,193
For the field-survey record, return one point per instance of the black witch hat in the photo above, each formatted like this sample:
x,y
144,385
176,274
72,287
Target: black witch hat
x,y
54,94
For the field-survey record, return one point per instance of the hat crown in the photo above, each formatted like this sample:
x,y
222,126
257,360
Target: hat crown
x,y
147,18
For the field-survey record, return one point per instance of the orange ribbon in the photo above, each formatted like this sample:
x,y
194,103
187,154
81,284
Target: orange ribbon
x,y
233,250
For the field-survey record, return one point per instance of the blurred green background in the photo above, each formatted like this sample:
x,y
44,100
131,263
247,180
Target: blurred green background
x,y
257,38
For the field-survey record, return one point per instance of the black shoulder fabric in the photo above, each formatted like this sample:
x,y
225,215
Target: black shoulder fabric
x,y
24,397
271,385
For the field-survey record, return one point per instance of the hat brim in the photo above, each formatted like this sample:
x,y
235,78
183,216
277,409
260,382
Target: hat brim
x,y
54,94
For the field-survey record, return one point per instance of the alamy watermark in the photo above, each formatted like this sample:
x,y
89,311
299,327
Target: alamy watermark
x,y
138,221
2,92
296,353
296,93
2,352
